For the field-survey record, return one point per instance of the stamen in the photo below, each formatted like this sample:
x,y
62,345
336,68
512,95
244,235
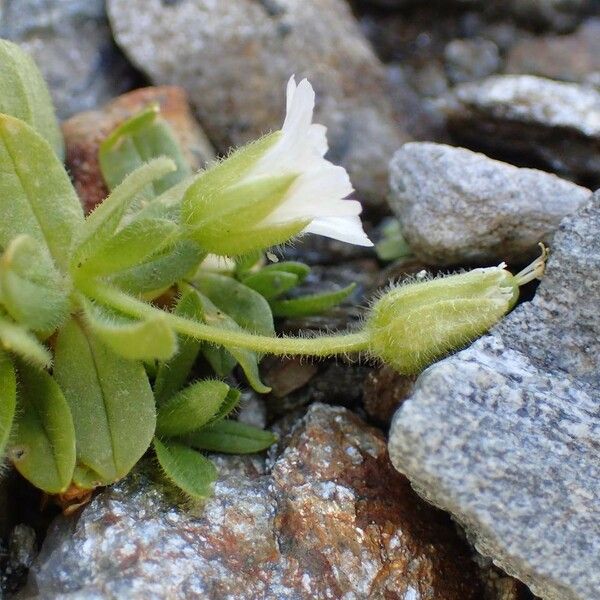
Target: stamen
x,y
535,270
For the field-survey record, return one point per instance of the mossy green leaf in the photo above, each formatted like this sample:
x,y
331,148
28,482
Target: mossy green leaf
x,y
24,94
8,399
110,399
36,194
17,340
191,472
42,448
231,437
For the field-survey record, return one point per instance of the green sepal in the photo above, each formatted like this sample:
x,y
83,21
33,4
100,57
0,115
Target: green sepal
x,y
25,95
172,374
33,291
110,399
130,338
193,407
139,139
101,224
191,472
36,194
17,340
219,358
8,399
313,304
231,437
42,448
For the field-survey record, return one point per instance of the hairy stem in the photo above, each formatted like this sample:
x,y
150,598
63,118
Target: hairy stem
x,y
326,345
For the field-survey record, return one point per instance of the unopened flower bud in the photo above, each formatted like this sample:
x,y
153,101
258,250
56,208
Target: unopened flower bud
x,y
413,324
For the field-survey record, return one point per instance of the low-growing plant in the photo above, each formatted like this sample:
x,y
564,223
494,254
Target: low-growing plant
x,y
105,318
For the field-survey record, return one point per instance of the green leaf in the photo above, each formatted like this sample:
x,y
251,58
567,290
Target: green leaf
x,y
187,469
33,291
101,224
8,399
192,408
86,479
131,246
43,446
24,95
231,437
271,284
245,306
161,271
392,245
173,373
132,339
313,304
110,399
143,137
217,357
17,340
36,195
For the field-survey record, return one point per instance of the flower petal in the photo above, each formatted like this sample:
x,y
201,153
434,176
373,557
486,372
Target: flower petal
x,y
347,228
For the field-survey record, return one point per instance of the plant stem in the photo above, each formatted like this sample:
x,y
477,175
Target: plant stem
x,y
327,345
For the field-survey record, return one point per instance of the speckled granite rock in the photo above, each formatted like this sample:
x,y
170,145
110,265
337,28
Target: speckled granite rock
x,y
72,44
328,518
460,207
532,120
234,59
85,132
572,57
504,435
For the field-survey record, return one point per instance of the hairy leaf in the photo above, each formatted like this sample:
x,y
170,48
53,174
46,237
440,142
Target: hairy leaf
x,y
111,402
43,446
8,399
193,407
187,469
231,437
132,339
33,291
24,94
36,195
310,305
270,284
17,340
143,137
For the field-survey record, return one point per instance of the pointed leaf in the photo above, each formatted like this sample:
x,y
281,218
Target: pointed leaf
x,y
270,284
43,446
34,292
310,305
17,340
143,137
135,340
172,375
110,399
86,479
24,94
191,408
36,195
8,399
187,469
231,437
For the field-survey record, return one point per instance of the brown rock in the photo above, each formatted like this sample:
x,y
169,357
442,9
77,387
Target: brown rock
x,y
85,131
331,519
384,391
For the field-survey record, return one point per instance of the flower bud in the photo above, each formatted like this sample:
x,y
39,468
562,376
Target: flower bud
x,y
413,324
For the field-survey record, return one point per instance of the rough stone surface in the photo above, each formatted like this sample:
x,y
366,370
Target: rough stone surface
x,y
72,45
384,391
234,59
532,120
85,132
504,435
573,57
328,518
468,60
460,207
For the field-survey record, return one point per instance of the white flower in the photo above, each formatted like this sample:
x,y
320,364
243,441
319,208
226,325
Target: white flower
x,y
319,191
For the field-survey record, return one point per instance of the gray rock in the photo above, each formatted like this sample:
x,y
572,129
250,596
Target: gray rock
x,y
471,59
72,45
460,207
504,435
234,59
530,119
326,518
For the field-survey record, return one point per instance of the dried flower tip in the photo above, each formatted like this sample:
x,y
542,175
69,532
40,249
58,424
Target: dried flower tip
x,y
535,270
